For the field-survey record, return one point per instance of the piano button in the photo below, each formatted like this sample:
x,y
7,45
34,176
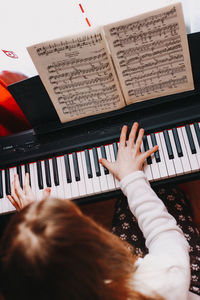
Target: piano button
x,y
60,186
1,185
146,167
177,160
102,178
192,157
103,155
66,185
115,148
109,176
169,162
154,165
55,171
76,167
27,170
146,148
196,143
154,143
95,178
7,181
88,163
54,193
96,161
177,142
88,181
39,175
74,185
19,172
185,159
81,183
47,172
112,156
67,169
168,144
190,139
197,130
162,163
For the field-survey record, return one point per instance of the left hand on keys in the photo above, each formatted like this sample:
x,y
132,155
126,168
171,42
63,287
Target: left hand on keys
x,y
21,197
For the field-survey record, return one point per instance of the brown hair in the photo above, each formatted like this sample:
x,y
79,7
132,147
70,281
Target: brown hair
x,y
50,250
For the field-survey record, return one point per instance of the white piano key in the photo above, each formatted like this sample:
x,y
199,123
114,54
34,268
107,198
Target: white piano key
x,y
74,185
88,181
39,192
81,183
60,187
196,143
66,185
33,180
146,167
112,156
110,177
184,159
23,173
192,157
54,193
102,178
169,162
95,178
162,163
43,174
177,161
154,165
13,171
4,201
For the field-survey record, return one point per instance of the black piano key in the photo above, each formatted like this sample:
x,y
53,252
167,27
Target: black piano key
x,y
39,175
27,170
190,139
168,144
103,154
146,148
19,172
76,167
55,171
154,143
67,168
197,130
88,163
96,161
1,185
177,142
47,172
7,181
115,148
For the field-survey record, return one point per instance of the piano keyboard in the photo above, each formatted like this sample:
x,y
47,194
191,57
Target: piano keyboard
x,y
79,174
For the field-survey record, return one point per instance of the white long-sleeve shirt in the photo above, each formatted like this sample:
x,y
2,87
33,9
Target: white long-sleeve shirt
x,y
166,269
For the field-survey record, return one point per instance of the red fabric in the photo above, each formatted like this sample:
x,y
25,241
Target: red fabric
x,y
12,119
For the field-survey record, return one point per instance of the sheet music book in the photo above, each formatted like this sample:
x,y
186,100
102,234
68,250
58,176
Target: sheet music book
x,y
133,60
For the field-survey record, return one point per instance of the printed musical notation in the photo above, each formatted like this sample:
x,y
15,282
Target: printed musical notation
x,y
151,54
78,76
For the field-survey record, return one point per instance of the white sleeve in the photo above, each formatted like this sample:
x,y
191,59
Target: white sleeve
x,y
166,268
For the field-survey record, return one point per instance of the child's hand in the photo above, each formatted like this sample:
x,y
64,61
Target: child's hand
x,y
20,198
129,158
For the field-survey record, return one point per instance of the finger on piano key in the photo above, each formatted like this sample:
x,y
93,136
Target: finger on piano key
x,y
168,144
81,183
47,173
177,142
76,167
146,148
109,176
54,193
169,162
190,139
88,181
154,143
162,163
96,161
112,156
103,155
177,161
192,157
197,131
196,143
185,159
67,169
55,171
1,185
38,174
102,178
146,168
19,172
74,185
60,186
95,178
66,184
154,165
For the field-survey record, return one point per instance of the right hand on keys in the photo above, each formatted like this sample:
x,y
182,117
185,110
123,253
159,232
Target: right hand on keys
x,y
21,197
129,158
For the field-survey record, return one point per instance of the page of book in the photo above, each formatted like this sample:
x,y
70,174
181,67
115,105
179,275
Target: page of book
x,y
151,54
78,75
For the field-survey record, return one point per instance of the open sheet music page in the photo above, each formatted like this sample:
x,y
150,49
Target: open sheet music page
x,y
151,54
78,75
